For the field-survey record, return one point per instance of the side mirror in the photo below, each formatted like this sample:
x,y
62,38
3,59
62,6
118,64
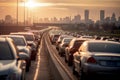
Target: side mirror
x,y
23,56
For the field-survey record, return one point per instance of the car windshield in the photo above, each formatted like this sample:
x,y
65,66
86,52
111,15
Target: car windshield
x,y
29,37
19,41
104,47
5,52
67,40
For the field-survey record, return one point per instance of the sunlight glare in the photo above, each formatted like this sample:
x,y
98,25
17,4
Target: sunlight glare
x,y
31,4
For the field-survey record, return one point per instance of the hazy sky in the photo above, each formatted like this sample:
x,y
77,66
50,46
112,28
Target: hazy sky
x,y
62,8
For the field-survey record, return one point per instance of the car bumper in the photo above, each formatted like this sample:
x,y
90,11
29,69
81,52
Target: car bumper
x,y
100,70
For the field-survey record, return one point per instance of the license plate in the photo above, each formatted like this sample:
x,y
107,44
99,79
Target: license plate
x,y
110,63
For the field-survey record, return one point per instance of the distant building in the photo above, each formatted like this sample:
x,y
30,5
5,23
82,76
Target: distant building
x,y
86,15
102,15
76,19
107,20
113,18
8,19
46,20
67,19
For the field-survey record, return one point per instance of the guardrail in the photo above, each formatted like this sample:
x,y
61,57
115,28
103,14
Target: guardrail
x,y
59,71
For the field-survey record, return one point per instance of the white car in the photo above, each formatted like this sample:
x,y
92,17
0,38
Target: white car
x,y
30,41
22,46
97,57
12,62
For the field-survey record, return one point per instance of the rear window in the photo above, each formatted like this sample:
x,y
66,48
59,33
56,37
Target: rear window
x,y
19,41
104,47
5,51
67,40
56,35
78,43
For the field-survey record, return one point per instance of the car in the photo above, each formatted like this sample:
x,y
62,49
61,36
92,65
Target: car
x,y
12,62
96,57
72,48
54,38
36,35
30,41
61,37
22,46
63,45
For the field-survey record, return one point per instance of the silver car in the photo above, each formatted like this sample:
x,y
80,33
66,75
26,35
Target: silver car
x,y
97,57
22,46
12,62
65,42
30,41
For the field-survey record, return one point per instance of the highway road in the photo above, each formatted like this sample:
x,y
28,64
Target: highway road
x,y
41,68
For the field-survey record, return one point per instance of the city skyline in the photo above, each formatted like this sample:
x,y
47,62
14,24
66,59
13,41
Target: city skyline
x,y
62,8
70,19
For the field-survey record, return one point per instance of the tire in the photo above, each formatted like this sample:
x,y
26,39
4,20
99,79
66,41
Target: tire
x,y
27,69
73,70
69,62
66,59
82,75
23,76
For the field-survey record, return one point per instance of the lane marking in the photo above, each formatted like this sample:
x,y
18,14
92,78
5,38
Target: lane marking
x,y
38,63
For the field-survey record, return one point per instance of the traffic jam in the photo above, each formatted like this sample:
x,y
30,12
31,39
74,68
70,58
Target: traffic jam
x,y
88,56
17,51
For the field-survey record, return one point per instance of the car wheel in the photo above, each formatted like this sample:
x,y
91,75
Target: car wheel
x,y
82,74
65,59
27,69
23,77
73,70
69,62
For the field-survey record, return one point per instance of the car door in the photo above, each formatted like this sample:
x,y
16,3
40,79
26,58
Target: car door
x,y
76,60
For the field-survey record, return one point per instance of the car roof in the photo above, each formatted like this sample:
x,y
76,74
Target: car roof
x,y
101,41
3,39
17,33
12,36
80,39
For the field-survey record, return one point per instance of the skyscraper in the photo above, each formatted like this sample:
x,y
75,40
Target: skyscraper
x,y
86,15
102,15
113,18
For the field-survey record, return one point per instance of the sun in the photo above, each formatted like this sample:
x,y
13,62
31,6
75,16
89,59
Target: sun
x,y
31,4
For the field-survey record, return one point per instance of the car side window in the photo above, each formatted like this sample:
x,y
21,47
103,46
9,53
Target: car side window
x,y
83,47
5,51
15,48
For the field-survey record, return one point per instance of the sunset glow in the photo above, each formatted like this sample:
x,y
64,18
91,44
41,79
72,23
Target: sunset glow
x,y
33,4
60,8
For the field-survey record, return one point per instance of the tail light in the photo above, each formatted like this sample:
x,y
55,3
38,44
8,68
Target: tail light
x,y
91,60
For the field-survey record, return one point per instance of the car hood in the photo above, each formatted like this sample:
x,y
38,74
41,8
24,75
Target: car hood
x,y
7,66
